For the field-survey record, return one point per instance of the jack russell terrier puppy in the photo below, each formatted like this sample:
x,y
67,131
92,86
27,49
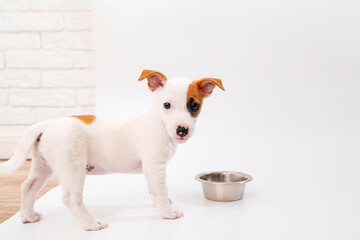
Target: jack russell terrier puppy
x,y
72,147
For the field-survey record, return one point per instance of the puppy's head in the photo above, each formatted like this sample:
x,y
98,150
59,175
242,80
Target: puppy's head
x,y
180,101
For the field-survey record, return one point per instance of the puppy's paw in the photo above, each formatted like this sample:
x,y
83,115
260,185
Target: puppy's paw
x,y
174,214
31,218
170,201
96,225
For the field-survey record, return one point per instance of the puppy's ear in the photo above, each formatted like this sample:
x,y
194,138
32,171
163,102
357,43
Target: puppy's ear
x,y
207,85
155,79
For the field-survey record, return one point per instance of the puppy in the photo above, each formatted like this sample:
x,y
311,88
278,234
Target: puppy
x,y
73,147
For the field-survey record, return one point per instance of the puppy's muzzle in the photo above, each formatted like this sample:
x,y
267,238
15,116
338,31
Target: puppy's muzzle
x,y
182,131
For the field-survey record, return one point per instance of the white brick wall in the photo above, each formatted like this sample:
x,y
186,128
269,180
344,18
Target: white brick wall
x,y
83,59
46,61
18,22
78,21
2,64
70,79
11,116
14,5
20,78
61,5
86,97
19,41
67,40
38,59
3,97
42,97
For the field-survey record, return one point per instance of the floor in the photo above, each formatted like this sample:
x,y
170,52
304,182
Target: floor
x,y
10,191
129,211
124,203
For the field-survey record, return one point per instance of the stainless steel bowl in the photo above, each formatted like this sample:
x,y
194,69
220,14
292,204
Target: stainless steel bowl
x,y
223,186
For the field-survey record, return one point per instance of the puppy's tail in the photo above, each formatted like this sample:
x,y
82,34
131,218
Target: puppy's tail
x,y
22,149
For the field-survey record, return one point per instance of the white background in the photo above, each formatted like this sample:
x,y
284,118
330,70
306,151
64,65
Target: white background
x,y
289,116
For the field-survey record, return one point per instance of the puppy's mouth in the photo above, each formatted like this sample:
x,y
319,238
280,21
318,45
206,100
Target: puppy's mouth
x,y
181,139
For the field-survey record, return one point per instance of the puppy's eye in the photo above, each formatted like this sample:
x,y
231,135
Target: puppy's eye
x,y
195,106
167,105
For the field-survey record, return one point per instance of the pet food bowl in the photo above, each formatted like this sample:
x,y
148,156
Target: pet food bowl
x,y
223,186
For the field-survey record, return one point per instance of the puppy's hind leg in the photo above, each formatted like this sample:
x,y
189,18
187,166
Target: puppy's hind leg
x,y
39,174
72,185
71,172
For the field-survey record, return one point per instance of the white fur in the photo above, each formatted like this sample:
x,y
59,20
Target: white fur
x,y
68,148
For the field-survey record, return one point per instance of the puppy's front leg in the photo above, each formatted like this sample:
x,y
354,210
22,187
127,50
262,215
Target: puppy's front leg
x,y
156,178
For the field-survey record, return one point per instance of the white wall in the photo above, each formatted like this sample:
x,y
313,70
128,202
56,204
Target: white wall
x,y
46,64
290,114
290,69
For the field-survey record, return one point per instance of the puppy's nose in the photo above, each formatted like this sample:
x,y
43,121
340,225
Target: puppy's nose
x,y
182,131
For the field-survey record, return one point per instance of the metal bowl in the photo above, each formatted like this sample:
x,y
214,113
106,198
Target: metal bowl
x,y
223,186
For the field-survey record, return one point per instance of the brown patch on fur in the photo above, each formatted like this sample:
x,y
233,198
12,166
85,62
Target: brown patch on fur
x,y
39,137
194,93
155,78
87,119
89,168
200,89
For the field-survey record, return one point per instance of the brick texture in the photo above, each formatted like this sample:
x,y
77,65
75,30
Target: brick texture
x,y
2,64
86,97
20,78
67,40
42,97
71,79
11,116
46,60
78,21
83,59
38,59
63,5
16,22
14,5
19,41
3,97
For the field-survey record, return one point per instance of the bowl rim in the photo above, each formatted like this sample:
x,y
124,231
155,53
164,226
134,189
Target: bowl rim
x,y
198,177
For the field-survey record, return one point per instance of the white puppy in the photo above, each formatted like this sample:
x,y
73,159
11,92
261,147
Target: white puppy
x,y
75,146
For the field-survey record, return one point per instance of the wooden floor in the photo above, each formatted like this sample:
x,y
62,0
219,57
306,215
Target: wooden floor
x,y
10,191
